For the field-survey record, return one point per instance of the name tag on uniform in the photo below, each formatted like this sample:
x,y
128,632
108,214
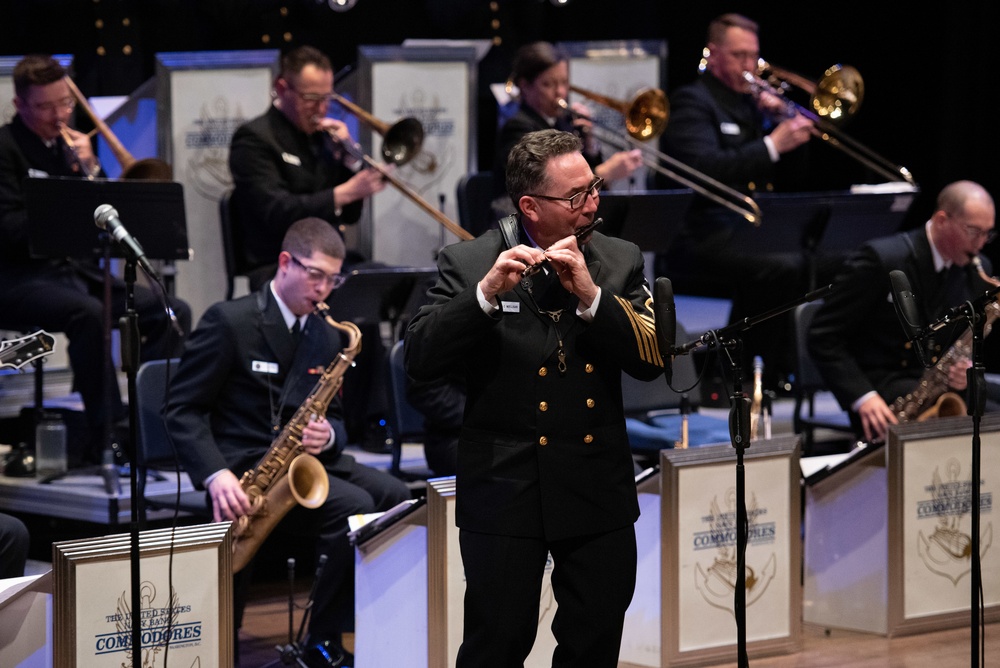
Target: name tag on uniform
x,y
510,307
729,129
258,366
291,159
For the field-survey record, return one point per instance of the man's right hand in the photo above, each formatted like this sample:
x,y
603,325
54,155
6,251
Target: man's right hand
x,y
363,184
506,272
229,501
876,416
791,133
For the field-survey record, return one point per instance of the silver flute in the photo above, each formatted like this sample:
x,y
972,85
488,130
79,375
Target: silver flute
x,y
533,269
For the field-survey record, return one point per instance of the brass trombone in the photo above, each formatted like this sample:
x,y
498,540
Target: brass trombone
x,y
401,142
645,118
149,169
835,98
398,148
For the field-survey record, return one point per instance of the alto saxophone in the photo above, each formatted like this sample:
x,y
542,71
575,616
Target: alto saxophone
x,y
931,397
286,474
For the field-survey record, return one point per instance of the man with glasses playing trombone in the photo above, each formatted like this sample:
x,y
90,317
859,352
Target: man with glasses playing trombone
x,y
286,166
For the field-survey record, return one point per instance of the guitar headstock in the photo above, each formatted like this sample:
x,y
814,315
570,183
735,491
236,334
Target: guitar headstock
x,y
16,353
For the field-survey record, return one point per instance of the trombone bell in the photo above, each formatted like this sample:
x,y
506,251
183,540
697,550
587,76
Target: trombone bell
x,y
646,117
839,93
402,141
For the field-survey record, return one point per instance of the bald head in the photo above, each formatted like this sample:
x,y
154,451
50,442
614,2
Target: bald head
x,y
958,197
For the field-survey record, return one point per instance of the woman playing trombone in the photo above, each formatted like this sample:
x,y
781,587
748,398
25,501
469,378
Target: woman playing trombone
x,y
541,73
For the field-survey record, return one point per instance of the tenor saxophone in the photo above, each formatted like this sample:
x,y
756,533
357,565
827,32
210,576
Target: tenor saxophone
x,y
931,397
287,475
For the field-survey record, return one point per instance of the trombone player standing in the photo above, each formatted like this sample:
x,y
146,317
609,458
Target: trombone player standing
x,y
286,167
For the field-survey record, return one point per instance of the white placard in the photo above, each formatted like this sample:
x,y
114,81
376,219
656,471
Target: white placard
x,y
437,95
204,105
617,71
707,553
937,495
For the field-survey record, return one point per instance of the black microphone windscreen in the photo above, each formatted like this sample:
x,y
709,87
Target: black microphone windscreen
x,y
665,315
908,312
906,304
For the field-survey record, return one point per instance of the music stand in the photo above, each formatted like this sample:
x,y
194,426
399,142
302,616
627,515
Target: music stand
x,y
859,217
830,224
650,219
61,216
790,223
384,294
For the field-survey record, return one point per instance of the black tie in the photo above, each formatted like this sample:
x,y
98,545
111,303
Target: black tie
x,y
296,332
954,286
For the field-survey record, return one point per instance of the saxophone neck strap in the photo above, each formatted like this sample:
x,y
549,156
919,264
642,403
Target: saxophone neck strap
x,y
509,228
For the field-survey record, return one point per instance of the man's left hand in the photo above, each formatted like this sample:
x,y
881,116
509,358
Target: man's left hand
x,y
568,262
316,435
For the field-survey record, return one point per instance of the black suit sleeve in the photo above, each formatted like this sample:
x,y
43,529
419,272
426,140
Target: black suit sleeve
x,y
273,194
839,328
195,390
695,136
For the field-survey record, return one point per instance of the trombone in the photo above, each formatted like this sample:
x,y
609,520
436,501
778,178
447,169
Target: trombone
x,y
835,98
401,143
149,169
645,118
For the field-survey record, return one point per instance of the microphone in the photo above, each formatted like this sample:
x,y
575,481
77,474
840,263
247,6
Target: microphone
x,y
665,319
908,312
106,218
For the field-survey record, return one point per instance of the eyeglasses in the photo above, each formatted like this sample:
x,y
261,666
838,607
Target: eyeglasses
x,y
577,200
311,98
976,233
742,56
67,103
319,276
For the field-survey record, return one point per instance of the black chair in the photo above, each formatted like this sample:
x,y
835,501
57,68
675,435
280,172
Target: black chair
x,y
654,412
808,383
232,245
474,195
154,451
405,421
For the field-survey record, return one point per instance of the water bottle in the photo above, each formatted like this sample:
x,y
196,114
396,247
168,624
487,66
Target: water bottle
x,y
50,445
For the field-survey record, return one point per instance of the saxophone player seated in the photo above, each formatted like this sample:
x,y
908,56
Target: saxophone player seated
x,y
248,367
856,339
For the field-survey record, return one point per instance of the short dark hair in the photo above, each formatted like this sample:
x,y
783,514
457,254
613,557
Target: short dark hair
x,y
717,28
293,61
526,162
36,70
533,59
312,234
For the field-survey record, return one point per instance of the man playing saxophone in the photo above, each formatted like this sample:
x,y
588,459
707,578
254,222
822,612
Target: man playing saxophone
x,y
855,338
248,367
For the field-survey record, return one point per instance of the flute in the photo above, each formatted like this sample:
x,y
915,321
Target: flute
x,y
533,269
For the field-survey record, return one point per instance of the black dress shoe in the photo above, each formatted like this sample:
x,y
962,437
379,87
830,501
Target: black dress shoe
x,y
327,654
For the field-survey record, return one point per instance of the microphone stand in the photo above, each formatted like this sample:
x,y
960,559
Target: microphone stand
x,y
129,328
293,654
976,375
975,313
739,432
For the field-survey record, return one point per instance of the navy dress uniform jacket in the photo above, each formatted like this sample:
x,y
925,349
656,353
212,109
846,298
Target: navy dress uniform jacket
x,y
542,453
